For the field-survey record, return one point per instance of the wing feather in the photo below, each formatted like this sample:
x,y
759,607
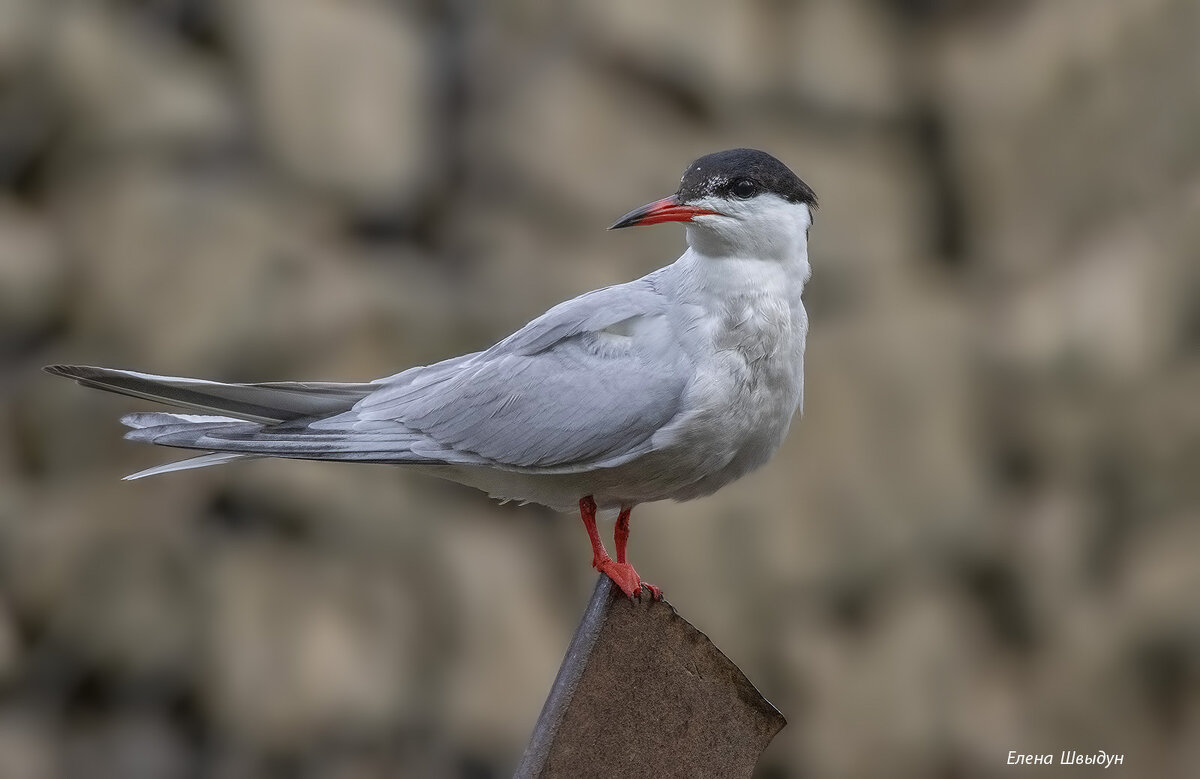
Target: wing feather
x,y
586,385
556,393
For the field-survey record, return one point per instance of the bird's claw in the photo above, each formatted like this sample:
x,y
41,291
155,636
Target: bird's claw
x,y
626,578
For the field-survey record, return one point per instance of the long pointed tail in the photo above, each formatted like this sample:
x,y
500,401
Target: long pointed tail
x,y
272,402
203,461
241,407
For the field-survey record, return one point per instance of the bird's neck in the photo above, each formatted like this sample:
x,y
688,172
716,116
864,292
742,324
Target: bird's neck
x,y
712,279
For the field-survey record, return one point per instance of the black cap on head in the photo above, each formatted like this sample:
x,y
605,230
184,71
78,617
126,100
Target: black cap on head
x,y
742,174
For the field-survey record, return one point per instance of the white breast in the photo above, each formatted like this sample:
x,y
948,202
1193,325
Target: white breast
x,y
744,401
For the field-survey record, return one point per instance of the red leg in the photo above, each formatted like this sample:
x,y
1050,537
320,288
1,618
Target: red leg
x,y
621,536
587,511
621,572
621,533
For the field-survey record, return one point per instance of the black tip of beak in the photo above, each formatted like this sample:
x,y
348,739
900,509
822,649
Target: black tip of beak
x,y
632,219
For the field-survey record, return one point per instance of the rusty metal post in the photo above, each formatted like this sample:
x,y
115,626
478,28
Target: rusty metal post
x,y
642,693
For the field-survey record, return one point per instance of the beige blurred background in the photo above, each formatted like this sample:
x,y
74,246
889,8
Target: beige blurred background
x,y
983,536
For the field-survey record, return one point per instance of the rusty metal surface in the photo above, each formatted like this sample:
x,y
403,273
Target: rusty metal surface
x,y
642,693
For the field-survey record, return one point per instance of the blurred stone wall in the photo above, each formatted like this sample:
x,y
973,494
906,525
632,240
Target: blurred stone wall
x,y
983,536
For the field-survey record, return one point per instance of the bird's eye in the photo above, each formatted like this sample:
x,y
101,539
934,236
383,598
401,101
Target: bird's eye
x,y
744,188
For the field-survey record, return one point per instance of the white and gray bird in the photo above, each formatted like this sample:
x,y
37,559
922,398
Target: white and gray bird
x,y
670,386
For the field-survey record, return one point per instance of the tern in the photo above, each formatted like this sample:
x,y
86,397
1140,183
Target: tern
x,y
670,386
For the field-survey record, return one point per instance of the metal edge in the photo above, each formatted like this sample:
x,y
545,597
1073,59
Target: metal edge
x,y
567,681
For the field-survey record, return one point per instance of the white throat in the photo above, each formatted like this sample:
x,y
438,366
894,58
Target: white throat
x,y
760,250
766,227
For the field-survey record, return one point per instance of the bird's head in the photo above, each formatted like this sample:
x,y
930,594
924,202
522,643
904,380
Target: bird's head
x,y
740,202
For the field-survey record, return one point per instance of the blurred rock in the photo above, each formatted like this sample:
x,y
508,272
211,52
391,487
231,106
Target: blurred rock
x,y
173,255
525,642
716,49
844,58
129,745
343,92
33,277
10,645
1057,139
306,646
129,87
28,747
111,595
534,138
21,32
1097,314
127,610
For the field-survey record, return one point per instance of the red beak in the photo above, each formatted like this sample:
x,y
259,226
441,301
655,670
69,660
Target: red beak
x,y
669,209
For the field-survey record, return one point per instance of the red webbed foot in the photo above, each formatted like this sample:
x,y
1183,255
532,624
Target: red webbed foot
x,y
625,577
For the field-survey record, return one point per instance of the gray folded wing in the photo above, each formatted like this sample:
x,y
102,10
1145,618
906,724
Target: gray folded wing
x,y
586,385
